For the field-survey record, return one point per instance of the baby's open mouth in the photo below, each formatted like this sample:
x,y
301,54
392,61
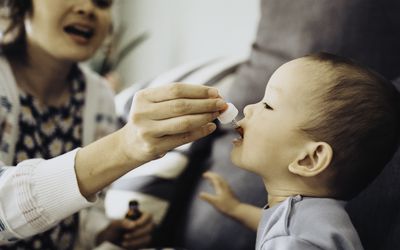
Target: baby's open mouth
x,y
240,131
238,141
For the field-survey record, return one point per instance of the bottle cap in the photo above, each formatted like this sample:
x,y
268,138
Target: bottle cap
x,y
229,114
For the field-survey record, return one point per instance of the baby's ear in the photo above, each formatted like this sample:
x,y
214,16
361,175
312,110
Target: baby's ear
x,y
315,158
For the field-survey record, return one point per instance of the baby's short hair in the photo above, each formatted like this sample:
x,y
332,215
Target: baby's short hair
x,y
358,115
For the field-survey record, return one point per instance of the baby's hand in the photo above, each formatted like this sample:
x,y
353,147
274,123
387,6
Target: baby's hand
x,y
224,199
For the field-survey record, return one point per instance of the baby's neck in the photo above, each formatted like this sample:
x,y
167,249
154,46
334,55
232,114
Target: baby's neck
x,y
274,200
277,195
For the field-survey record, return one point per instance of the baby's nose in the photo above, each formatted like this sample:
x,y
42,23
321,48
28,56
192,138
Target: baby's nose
x,y
247,110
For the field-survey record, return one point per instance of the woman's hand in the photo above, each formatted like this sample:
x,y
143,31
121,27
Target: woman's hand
x,y
166,117
160,120
224,199
127,233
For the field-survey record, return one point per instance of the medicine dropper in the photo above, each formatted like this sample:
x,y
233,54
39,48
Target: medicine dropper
x,y
229,116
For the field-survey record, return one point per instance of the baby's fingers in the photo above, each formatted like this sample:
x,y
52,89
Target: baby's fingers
x,y
217,182
208,198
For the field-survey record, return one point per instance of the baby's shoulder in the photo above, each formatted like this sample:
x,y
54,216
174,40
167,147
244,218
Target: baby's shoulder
x,y
319,216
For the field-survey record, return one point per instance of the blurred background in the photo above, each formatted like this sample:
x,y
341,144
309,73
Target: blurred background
x,y
153,36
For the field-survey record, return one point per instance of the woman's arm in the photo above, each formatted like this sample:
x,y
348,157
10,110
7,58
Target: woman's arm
x,y
37,195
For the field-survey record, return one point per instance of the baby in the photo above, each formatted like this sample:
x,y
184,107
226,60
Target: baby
x,y
323,131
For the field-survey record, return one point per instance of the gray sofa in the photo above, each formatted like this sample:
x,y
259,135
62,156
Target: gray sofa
x,y
366,30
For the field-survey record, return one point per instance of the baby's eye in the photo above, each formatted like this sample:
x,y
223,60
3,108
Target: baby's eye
x,y
266,106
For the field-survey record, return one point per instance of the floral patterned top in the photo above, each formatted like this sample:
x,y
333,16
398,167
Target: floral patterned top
x,y
46,132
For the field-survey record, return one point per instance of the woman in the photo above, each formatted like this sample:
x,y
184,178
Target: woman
x,y
50,107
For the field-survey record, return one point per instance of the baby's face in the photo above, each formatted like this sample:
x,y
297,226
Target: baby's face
x,y
272,138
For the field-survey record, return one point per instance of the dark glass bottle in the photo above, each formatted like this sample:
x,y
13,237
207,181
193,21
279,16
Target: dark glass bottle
x,y
133,212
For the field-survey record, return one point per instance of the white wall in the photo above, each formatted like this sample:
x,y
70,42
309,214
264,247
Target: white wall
x,y
184,30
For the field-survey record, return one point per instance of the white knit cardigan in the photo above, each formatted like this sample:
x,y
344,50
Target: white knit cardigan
x,y
35,197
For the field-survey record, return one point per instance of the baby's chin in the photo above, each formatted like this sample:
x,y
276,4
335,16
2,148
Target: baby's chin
x,y
237,161
235,158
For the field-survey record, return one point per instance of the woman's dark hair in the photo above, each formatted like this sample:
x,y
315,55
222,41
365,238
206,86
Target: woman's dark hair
x,y
358,115
14,37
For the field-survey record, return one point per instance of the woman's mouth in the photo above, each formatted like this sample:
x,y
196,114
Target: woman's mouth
x,y
81,34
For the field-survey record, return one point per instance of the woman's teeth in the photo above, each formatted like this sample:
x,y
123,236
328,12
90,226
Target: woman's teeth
x,y
78,30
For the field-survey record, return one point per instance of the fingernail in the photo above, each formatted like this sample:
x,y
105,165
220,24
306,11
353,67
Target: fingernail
x,y
211,127
213,92
221,103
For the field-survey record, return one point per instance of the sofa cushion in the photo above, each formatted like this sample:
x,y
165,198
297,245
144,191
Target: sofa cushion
x,y
375,212
365,30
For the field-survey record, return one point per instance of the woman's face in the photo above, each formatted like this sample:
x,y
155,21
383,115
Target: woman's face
x,y
69,30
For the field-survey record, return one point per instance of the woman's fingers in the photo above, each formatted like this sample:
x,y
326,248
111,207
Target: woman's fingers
x,y
169,142
182,124
139,232
144,219
178,91
137,243
180,107
164,118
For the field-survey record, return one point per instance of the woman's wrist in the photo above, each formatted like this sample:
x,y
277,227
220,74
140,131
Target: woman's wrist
x,y
100,163
126,150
